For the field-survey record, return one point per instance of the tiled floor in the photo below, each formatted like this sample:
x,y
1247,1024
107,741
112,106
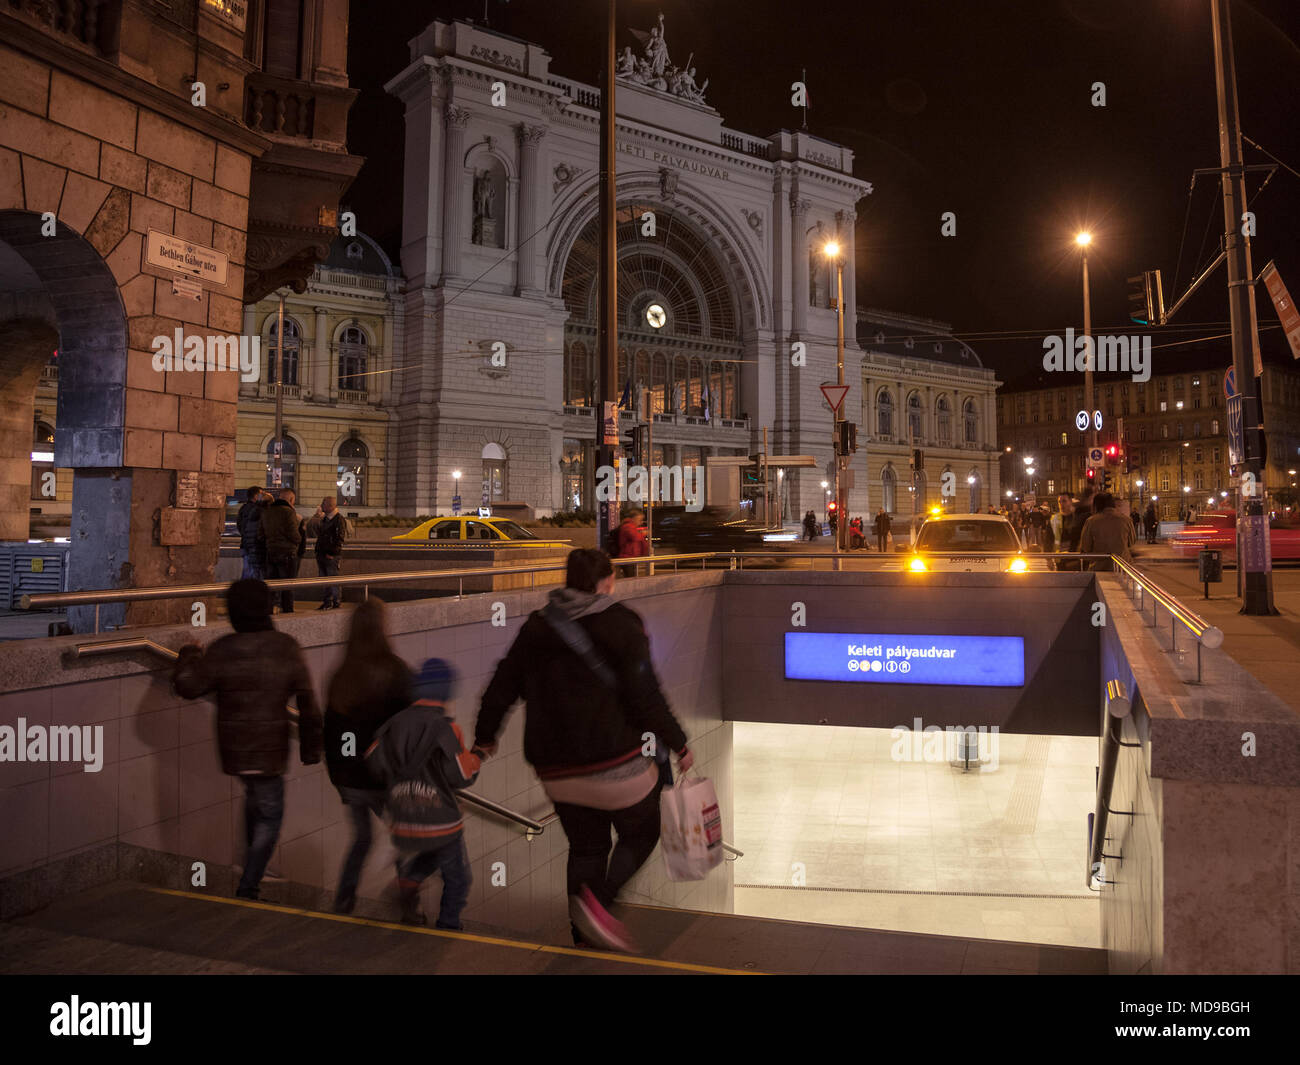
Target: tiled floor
x,y
835,829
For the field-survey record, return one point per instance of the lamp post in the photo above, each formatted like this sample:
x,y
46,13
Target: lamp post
x,y
455,491
1083,240
607,317
1141,493
832,251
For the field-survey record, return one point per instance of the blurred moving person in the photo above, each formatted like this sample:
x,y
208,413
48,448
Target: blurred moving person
x,y
582,665
370,686
248,521
810,529
281,531
420,756
1152,522
254,671
330,528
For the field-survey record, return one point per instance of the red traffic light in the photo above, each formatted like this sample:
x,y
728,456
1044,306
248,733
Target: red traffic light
x,y
831,505
1112,450
1091,473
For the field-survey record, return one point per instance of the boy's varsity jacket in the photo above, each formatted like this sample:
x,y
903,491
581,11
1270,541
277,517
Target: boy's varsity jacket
x,y
419,755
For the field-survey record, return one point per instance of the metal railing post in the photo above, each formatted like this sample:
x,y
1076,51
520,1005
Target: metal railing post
x,y
96,619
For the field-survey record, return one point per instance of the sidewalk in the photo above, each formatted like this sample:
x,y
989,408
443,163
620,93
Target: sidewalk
x,y
1266,647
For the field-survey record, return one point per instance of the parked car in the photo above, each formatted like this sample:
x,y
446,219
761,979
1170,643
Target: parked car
x,y
1218,529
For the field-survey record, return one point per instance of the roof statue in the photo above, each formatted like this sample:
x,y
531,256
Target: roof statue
x,y
654,70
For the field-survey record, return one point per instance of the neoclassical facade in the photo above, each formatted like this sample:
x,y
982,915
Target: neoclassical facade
x,y
923,389
721,273
337,368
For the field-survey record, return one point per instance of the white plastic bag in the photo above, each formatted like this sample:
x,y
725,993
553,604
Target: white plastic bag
x,y
690,829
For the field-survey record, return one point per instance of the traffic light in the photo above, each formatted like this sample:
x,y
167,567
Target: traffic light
x,y
638,443
1112,454
1146,298
1105,480
1091,474
848,438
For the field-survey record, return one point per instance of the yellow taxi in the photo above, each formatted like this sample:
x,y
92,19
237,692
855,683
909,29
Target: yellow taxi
x,y
468,530
974,543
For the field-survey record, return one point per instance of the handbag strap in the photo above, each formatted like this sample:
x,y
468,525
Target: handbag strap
x,y
576,639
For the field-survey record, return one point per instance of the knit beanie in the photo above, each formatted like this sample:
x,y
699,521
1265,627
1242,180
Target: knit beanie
x,y
436,681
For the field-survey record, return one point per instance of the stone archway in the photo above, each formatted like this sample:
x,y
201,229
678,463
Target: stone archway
x,y
60,293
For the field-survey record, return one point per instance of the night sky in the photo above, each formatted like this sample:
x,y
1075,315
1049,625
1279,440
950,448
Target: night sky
x,y
981,108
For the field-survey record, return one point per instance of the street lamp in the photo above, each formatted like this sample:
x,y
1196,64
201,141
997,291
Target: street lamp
x,y
832,251
1139,484
1083,240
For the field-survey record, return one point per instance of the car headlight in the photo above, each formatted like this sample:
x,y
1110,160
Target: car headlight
x,y
917,565
1018,565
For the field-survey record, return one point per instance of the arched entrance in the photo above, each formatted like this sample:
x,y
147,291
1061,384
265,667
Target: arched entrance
x,y
681,314
56,292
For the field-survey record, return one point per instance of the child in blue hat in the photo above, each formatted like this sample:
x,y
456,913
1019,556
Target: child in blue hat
x,y
419,755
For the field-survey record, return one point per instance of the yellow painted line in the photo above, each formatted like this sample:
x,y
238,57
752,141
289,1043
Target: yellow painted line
x,y
468,937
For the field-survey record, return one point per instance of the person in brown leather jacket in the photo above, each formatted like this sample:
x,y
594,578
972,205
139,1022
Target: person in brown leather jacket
x,y
253,672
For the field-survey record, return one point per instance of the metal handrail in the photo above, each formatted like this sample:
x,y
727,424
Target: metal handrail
x,y
1118,707
1206,635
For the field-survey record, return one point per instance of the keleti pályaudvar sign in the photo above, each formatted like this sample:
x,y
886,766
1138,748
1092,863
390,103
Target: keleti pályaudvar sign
x,y
893,658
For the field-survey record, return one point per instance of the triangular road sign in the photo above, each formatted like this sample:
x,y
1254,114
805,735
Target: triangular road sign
x,y
835,395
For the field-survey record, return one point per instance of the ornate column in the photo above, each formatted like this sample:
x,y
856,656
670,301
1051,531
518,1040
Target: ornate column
x,y
530,189
453,190
320,363
799,252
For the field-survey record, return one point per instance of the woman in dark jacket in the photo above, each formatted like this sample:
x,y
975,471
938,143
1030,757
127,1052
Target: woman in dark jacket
x,y
370,686
582,666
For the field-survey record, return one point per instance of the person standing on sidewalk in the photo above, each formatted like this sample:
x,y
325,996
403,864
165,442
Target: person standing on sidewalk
x,y
882,530
329,527
281,531
371,685
248,521
582,665
254,672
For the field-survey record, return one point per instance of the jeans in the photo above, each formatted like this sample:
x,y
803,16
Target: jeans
x,y
882,540
283,567
590,860
253,567
263,812
329,567
452,861
361,803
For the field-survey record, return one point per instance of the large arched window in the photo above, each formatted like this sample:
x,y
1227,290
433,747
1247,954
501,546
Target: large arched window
x,y
885,416
914,417
352,360
943,420
353,460
970,419
289,359
888,484
287,461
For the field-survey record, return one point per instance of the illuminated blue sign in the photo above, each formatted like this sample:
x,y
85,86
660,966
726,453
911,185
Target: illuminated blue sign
x,y
879,658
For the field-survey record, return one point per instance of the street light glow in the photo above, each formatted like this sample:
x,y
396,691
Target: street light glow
x,y
1083,239
1139,483
832,249
455,475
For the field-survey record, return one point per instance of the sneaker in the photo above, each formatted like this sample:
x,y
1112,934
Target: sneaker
x,y
325,605
597,924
